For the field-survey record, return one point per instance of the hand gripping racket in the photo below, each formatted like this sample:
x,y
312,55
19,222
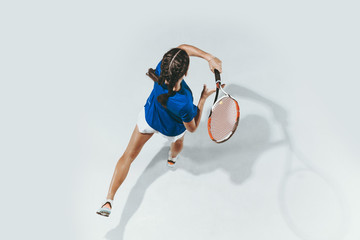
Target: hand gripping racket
x,y
224,115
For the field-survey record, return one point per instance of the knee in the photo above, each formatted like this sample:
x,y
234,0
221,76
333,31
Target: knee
x,y
125,160
129,157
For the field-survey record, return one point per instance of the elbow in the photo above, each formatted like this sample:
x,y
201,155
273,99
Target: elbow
x,y
191,129
190,126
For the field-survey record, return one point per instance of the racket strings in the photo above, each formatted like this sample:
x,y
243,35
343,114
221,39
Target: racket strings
x,y
224,119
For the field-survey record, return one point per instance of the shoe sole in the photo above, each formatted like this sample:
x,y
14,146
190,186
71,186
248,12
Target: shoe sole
x,y
103,214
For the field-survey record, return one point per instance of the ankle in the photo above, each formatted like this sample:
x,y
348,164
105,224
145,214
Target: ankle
x,y
173,156
107,205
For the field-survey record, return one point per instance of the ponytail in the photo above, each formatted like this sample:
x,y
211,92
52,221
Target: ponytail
x,y
152,75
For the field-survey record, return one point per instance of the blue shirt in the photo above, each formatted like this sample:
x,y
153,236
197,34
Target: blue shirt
x,y
180,108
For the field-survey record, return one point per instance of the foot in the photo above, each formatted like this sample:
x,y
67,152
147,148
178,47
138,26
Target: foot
x,y
171,160
105,210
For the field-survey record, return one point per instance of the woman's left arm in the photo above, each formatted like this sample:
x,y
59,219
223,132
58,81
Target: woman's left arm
x,y
214,62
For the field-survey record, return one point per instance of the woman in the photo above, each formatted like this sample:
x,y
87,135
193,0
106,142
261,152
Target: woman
x,y
169,111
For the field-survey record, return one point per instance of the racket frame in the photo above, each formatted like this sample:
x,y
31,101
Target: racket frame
x,y
218,86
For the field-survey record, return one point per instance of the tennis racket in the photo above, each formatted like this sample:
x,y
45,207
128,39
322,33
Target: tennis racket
x,y
224,114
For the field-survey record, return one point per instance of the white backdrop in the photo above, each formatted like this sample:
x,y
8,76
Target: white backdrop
x,y
73,81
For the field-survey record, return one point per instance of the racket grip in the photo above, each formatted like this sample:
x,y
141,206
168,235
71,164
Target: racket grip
x,y
217,75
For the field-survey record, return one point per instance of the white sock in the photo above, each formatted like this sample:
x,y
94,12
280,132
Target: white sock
x,y
171,158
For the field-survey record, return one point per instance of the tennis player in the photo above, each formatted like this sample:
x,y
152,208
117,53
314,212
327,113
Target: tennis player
x,y
169,111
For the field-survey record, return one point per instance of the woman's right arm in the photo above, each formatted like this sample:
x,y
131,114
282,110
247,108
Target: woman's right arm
x,y
193,124
214,62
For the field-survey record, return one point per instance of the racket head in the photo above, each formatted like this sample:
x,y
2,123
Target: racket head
x,y
223,119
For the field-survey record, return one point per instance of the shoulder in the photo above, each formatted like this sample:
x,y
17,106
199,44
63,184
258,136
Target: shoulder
x,y
185,86
186,91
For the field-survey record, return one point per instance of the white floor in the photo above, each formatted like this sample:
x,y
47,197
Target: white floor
x,y
73,81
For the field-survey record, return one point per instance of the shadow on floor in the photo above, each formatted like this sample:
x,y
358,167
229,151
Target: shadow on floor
x,y
200,155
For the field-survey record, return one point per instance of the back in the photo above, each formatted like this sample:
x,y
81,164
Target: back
x,y
180,108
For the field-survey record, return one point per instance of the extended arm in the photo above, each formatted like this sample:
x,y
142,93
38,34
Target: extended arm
x,y
214,62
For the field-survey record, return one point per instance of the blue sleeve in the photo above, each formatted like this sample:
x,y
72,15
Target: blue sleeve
x,y
188,112
158,69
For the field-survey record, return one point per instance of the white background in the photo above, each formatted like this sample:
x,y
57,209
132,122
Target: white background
x,y
73,81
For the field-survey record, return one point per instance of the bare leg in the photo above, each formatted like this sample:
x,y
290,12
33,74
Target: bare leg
x,y
122,167
176,147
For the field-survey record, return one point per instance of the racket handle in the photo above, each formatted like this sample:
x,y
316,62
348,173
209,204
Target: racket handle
x,y
218,83
217,75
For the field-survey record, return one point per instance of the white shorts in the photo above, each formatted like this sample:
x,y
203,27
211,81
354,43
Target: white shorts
x,y
144,127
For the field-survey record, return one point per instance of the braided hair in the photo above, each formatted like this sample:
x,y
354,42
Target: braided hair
x,y
175,64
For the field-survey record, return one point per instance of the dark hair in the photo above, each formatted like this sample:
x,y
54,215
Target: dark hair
x,y
174,65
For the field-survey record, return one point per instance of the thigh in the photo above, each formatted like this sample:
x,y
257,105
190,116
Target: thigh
x,y
136,143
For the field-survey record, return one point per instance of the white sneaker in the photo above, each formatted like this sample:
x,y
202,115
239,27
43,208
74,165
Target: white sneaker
x,y
104,211
171,161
